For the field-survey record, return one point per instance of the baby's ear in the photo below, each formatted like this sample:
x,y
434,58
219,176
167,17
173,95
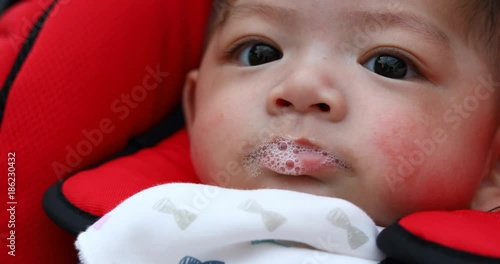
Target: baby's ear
x,y
488,195
188,98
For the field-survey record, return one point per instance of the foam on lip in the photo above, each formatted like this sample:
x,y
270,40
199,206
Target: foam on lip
x,y
291,157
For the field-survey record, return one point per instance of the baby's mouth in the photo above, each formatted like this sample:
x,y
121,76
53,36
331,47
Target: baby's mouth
x,y
289,156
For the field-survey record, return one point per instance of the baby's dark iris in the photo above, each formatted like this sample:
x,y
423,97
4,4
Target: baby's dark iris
x,y
390,67
261,54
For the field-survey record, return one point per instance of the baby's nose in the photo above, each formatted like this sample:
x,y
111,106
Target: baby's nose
x,y
307,91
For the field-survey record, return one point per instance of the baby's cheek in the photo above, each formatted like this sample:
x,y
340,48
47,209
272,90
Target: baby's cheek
x,y
406,149
416,165
393,138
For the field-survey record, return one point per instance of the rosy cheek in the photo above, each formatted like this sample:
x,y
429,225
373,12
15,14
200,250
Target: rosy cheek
x,y
393,137
401,162
414,166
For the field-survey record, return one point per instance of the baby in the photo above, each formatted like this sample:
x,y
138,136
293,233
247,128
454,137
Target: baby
x,y
402,93
390,107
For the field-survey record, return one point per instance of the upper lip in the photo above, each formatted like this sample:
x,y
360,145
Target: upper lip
x,y
306,142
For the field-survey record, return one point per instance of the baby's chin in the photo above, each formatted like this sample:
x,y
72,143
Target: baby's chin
x,y
381,215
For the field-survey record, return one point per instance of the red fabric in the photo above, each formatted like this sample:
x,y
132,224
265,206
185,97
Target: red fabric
x,y
470,231
99,190
65,109
15,26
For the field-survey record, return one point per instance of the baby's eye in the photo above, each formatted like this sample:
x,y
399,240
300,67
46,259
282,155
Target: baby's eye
x,y
391,67
258,54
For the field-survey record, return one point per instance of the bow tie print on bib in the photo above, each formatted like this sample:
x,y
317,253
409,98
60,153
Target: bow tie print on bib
x,y
355,236
191,260
183,218
272,220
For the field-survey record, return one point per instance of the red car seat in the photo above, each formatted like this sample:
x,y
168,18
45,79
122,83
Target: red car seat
x,y
80,81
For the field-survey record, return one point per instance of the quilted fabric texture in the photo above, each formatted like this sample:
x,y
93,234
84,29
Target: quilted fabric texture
x,y
98,73
15,27
99,190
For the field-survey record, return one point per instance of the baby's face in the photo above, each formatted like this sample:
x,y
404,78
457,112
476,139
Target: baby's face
x,y
380,103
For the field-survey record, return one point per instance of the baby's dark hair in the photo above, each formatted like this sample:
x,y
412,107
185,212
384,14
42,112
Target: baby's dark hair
x,y
486,13
483,23
220,9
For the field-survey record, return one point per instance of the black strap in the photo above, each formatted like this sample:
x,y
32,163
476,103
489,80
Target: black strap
x,y
4,4
23,53
402,246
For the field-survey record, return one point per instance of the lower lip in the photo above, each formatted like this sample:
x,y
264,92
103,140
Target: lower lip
x,y
310,161
297,164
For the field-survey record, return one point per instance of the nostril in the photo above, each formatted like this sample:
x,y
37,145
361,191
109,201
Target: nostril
x,y
324,107
284,103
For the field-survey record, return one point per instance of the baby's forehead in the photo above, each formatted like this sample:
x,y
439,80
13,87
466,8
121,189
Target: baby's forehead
x,y
462,11
420,17
335,8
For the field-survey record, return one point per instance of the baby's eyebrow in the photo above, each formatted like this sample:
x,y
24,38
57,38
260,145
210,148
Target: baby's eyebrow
x,y
404,20
267,11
